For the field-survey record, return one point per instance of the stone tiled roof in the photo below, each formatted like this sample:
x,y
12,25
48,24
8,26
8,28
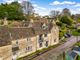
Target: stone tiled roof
x,y
8,34
40,30
18,33
4,36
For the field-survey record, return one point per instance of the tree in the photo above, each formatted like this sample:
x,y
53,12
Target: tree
x,y
15,11
28,9
12,11
2,10
59,24
66,20
54,13
66,12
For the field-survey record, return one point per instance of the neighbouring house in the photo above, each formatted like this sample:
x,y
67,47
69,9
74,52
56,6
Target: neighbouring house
x,y
25,40
5,44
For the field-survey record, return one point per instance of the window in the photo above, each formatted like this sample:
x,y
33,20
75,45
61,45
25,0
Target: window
x,y
14,49
40,38
46,44
29,48
40,44
45,35
54,40
17,42
28,39
44,26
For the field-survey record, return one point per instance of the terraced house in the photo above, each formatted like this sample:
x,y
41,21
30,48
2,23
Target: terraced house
x,y
21,41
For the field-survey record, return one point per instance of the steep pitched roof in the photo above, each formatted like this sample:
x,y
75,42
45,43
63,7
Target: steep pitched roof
x,y
4,36
9,34
18,33
24,32
42,30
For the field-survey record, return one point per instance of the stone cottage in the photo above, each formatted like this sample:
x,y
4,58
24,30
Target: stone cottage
x,y
21,41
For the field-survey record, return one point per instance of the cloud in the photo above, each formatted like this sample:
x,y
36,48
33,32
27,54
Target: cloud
x,y
77,5
40,10
57,9
45,11
72,10
9,1
38,7
76,11
56,3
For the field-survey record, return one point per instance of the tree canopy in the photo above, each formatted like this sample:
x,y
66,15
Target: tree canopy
x,y
66,20
11,11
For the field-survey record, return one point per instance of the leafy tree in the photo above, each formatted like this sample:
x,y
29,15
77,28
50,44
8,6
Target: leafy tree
x,y
66,12
59,23
66,20
78,30
54,13
12,11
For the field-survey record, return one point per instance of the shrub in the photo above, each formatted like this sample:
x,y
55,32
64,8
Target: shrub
x,y
59,23
78,30
66,20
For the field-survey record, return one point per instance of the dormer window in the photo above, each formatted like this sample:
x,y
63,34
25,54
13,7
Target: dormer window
x,y
44,26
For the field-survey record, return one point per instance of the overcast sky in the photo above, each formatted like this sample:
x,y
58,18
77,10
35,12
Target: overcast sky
x,y
43,7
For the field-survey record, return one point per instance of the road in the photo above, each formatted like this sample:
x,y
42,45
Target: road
x,y
58,50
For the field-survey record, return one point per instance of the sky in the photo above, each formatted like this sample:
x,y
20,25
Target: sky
x,y
43,7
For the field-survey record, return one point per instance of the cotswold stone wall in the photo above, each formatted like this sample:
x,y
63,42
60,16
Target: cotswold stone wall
x,y
54,35
6,52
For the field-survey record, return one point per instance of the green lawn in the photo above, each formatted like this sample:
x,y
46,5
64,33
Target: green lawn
x,y
78,44
79,58
75,33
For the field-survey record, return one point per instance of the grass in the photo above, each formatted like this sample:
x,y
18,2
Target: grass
x,y
77,44
78,58
75,33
